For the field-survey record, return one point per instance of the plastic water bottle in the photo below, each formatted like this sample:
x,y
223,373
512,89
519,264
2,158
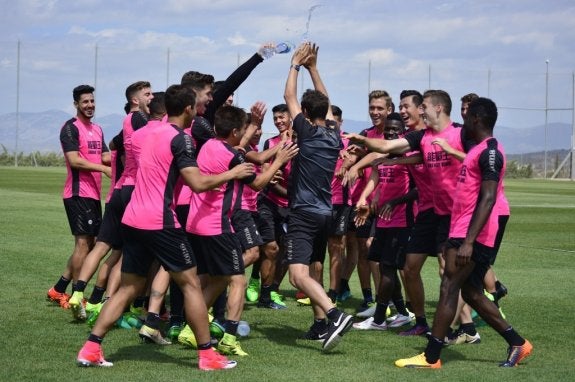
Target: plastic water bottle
x,y
279,48
243,329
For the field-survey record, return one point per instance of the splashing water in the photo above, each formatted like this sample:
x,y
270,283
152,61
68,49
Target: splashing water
x,y
310,11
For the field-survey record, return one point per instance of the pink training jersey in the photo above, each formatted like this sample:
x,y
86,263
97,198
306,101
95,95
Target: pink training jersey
x,y
421,178
277,199
443,168
211,211
88,141
339,193
361,182
250,196
393,184
164,153
132,122
484,162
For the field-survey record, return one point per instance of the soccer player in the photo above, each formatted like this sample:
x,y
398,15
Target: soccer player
x,y
87,157
442,169
310,193
393,206
151,230
220,261
472,236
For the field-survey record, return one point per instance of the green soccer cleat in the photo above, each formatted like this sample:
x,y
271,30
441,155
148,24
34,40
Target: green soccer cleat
x,y
78,306
253,290
278,299
418,362
229,345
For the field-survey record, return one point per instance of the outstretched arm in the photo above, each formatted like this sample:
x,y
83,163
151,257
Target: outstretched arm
x,y
290,93
310,64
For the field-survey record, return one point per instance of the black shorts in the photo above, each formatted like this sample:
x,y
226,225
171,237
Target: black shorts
x,y
388,247
306,238
244,223
429,233
271,220
339,219
219,255
363,231
483,256
169,246
126,193
110,230
84,215
503,219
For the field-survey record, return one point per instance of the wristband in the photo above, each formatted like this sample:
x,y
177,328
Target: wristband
x,y
296,67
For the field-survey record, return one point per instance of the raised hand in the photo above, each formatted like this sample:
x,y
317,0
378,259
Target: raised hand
x,y
258,111
287,152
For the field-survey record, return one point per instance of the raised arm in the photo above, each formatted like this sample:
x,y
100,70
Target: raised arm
x,y
310,64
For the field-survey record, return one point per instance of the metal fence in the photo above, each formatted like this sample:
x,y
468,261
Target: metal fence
x,y
31,73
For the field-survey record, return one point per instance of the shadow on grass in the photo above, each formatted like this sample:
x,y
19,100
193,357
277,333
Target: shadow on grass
x,y
150,352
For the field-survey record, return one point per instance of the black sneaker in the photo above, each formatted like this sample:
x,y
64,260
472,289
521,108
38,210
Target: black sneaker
x,y
271,305
336,329
314,334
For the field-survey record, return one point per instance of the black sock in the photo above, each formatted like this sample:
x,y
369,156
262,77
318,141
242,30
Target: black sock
x,y
400,306
367,295
379,316
275,287
265,293
332,294
219,307
176,320
256,270
468,328
344,285
94,338
433,349
139,302
231,327
62,284
333,313
512,337
421,321
153,320
79,286
408,306
205,346
97,295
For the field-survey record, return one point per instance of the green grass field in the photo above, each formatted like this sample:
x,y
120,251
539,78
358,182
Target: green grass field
x,y
39,341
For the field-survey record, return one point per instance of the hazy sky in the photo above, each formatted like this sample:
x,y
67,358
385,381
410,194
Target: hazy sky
x,y
495,48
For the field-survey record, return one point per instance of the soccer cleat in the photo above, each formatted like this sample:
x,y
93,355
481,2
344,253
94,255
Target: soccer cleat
x,y
304,301
277,298
416,330
315,335
216,330
88,358
336,329
271,305
211,360
346,294
367,312
516,354
418,362
253,290
59,298
229,345
174,331
187,337
400,320
460,337
93,311
139,312
368,324
500,292
78,306
148,335
300,295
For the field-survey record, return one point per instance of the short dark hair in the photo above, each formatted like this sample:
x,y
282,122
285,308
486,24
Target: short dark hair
x,y
157,104
280,108
416,96
394,117
439,97
315,104
135,87
197,80
484,109
469,98
336,111
81,89
177,98
227,119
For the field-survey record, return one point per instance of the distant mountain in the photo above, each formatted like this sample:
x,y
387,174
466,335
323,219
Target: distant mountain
x,y
40,132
